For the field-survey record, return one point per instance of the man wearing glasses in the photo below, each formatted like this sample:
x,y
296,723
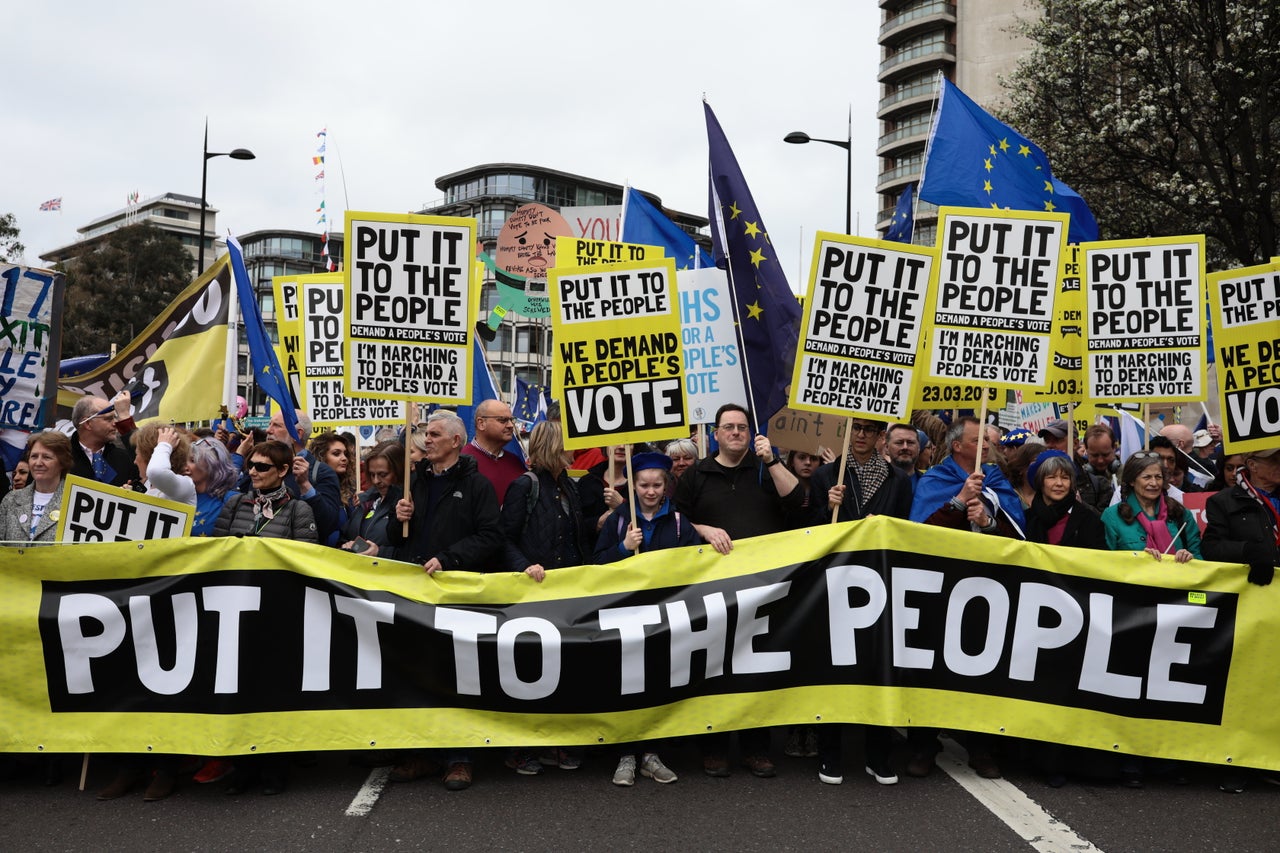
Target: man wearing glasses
x,y
742,491
95,452
494,428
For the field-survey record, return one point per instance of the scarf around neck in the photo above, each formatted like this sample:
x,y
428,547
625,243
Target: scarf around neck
x,y
1042,516
265,503
1158,535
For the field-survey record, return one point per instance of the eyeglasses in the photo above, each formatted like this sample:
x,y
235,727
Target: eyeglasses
x,y
111,416
262,467
1146,454
734,428
862,429
507,420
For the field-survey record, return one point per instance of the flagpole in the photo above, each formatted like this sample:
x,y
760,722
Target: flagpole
x,y
231,371
626,202
733,303
844,463
928,144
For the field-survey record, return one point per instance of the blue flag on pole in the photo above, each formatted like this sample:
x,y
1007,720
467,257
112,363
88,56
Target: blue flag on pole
x,y
903,221
483,387
530,404
267,372
768,313
645,224
975,160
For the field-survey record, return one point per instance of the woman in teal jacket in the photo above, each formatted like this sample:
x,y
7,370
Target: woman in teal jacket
x,y
1146,519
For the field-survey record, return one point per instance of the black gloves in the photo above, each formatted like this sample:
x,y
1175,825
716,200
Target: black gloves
x,y
1261,557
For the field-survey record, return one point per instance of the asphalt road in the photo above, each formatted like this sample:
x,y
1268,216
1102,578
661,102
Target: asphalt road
x,y
582,810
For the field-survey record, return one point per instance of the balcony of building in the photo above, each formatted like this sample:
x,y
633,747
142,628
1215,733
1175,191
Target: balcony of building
x,y
915,17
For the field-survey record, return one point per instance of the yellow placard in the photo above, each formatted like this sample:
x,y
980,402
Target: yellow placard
x,y
407,304
1144,313
582,252
324,397
991,320
618,362
284,289
1244,305
96,512
859,350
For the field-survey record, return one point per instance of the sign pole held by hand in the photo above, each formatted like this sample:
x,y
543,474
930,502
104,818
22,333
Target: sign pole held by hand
x,y
410,422
982,433
631,485
844,463
1071,430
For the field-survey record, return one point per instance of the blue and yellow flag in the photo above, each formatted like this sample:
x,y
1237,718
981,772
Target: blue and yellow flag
x,y
767,310
267,372
975,160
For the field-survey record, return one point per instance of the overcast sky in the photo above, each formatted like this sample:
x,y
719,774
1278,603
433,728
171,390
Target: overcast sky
x,y
106,99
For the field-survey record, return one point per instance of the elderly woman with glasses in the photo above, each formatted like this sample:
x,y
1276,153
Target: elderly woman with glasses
x,y
1148,519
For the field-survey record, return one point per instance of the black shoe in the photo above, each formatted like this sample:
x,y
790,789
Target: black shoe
x,y
1130,779
486,334
830,772
240,782
274,783
1232,785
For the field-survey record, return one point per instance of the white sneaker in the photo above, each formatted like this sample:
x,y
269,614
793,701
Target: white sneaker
x,y
654,769
625,775
883,775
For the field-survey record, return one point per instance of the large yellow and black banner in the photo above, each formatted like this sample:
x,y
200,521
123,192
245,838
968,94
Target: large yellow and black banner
x,y
226,646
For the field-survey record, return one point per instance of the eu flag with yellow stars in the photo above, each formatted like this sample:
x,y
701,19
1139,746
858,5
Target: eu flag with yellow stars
x,y
975,160
767,311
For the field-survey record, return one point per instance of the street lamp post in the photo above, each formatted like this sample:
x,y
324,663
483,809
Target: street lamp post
x,y
800,138
234,154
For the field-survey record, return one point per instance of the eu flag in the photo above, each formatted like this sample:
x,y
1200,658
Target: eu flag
x,y
483,387
262,356
530,406
644,224
903,221
767,311
975,160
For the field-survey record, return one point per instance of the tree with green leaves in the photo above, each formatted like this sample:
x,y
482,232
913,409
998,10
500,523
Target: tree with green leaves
x,y
114,291
11,251
1163,115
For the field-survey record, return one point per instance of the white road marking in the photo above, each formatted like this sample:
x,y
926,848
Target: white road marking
x,y
367,797
1007,801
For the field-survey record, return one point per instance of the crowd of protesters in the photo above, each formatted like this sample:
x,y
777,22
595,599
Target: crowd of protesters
x,y
477,504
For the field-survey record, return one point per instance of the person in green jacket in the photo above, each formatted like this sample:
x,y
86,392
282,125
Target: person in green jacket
x,y
1147,519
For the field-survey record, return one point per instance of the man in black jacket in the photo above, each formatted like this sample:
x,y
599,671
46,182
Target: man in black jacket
x,y
744,490
95,452
1244,520
452,509
453,526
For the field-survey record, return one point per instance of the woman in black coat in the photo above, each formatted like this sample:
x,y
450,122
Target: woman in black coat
x,y
541,515
1056,515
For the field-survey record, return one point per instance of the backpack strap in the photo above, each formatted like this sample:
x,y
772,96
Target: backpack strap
x,y
531,500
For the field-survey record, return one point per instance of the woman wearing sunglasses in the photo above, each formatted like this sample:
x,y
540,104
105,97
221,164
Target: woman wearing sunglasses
x,y
268,510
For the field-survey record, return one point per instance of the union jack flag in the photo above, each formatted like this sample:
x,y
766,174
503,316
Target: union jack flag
x,y
52,204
